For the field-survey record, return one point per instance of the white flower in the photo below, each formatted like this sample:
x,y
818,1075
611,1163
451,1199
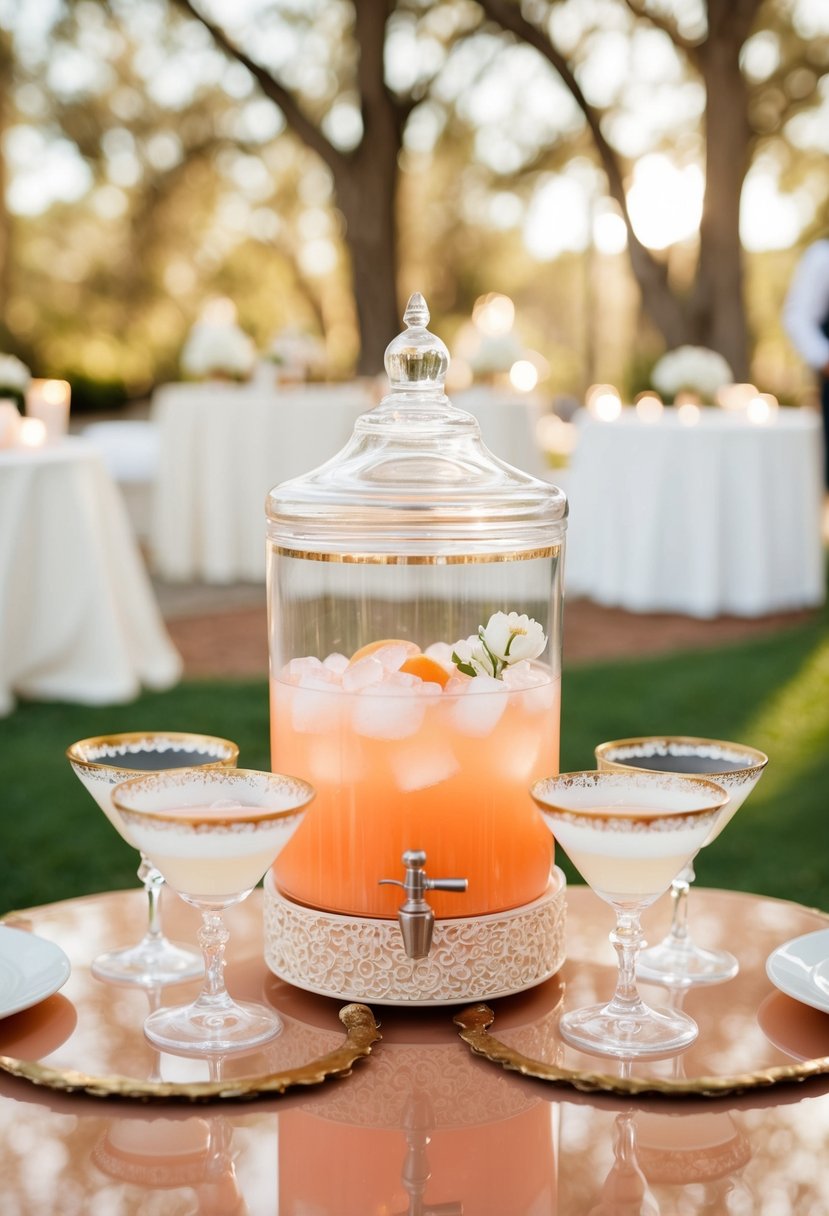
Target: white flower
x,y
695,368
469,656
511,638
506,638
217,350
14,374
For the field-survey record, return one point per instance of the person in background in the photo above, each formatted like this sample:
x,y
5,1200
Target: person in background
x,y
806,320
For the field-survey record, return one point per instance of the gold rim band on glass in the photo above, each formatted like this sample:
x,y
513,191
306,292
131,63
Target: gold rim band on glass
x,y
361,1034
76,751
170,778
417,559
595,778
758,759
473,1026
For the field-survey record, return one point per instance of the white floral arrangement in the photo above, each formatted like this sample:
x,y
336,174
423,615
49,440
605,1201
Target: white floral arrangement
x,y
217,350
296,351
694,369
14,376
506,638
496,353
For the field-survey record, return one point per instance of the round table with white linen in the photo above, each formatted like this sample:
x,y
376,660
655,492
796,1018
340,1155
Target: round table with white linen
x,y
509,426
222,447
78,618
719,517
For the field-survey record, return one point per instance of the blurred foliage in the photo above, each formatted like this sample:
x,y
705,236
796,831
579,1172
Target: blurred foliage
x,y
188,183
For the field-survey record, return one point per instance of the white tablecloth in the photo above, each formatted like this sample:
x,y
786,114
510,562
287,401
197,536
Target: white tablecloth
x,y
720,517
78,619
509,426
221,449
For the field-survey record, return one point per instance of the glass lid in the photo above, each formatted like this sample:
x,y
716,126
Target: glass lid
x,y
415,479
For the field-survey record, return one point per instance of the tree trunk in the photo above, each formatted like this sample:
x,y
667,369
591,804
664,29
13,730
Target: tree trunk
x,y
716,309
365,180
366,187
367,200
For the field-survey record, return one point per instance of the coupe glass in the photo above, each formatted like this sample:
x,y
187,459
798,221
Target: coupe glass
x,y
737,768
212,833
102,763
629,834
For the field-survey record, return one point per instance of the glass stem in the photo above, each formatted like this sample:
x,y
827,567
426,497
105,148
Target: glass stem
x,y
678,935
626,939
213,937
153,882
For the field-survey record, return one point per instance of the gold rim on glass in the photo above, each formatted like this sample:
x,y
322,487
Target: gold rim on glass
x,y
78,753
301,793
715,796
758,760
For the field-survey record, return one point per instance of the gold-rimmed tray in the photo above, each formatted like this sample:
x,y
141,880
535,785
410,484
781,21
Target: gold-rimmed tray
x,y
89,1038
474,1024
361,1033
751,1036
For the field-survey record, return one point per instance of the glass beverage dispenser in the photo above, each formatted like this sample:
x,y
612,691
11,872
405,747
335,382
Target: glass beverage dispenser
x,y
414,598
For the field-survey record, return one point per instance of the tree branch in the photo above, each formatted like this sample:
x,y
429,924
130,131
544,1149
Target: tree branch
x,y
648,270
295,116
661,22
509,17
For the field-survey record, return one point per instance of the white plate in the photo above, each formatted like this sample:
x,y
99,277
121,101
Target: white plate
x,y
800,968
30,970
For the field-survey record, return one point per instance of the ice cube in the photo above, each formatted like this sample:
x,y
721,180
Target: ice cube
x,y
315,706
362,674
519,675
477,711
395,654
416,766
301,667
336,663
539,691
457,683
401,679
383,712
441,652
425,688
333,760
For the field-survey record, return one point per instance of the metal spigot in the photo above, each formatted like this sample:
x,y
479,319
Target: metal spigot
x,y
415,916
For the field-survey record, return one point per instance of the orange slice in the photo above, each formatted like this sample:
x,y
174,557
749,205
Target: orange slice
x,y
426,669
371,647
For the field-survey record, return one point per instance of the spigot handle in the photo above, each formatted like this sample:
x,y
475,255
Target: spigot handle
x,y
447,884
415,917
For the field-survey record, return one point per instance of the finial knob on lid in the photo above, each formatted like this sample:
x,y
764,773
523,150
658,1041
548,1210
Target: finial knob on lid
x,y
416,358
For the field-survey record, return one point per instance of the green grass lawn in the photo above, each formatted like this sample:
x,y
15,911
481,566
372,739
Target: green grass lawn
x,y
772,693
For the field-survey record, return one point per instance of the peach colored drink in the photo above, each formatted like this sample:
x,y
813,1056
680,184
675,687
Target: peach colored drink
x,y
417,765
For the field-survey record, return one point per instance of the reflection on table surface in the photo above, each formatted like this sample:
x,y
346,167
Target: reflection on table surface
x,y
422,1126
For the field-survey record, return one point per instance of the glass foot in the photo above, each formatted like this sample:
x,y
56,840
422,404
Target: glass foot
x,y
204,1027
601,1031
153,963
685,964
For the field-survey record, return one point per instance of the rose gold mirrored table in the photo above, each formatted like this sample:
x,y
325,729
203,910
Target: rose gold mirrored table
x,y
421,1126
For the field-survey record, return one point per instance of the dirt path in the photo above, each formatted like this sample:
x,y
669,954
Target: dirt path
x,y
232,641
